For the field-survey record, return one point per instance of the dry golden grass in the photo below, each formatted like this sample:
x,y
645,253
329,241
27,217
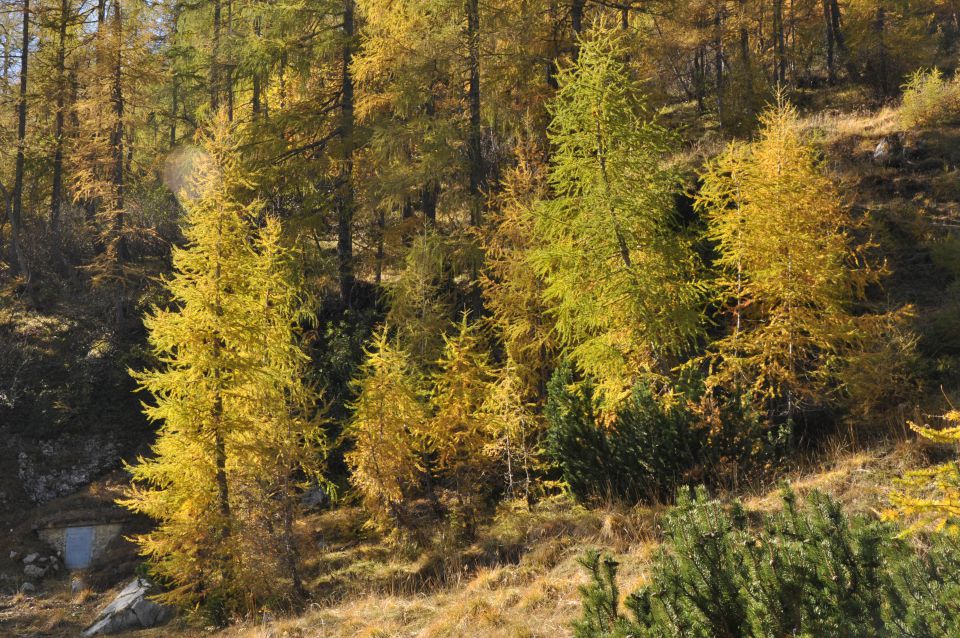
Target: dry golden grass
x,y
831,125
531,591
82,596
537,596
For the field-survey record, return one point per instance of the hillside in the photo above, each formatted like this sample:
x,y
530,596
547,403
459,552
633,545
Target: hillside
x,y
521,575
446,318
520,578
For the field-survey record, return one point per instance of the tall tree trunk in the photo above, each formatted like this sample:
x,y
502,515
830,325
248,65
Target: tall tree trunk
x,y
215,70
473,97
718,60
699,78
745,52
174,80
228,70
174,107
779,42
219,436
551,67
829,40
117,142
18,260
841,41
345,199
430,192
576,23
257,88
879,26
56,194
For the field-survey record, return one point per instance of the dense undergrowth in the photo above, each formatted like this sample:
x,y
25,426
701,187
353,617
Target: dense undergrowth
x,y
807,570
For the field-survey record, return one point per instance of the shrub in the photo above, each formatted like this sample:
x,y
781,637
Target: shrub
x,y
642,455
737,443
805,571
929,99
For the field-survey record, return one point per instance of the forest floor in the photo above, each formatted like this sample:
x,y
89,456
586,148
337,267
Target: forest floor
x,y
520,578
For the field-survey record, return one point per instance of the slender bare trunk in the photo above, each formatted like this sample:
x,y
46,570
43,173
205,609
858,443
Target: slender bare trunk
x,y
228,70
18,260
257,88
779,39
829,40
879,27
718,60
56,194
576,23
215,70
345,199
118,135
473,98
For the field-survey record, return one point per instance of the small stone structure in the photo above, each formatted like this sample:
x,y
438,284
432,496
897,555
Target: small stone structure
x,y
80,536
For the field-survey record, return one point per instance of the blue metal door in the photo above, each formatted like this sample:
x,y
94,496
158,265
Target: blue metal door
x,y
79,547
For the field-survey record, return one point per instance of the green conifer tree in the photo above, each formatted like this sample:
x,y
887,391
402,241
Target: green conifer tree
x,y
618,273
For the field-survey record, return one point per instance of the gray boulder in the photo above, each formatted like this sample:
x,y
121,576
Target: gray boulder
x,y
314,498
131,609
28,588
34,571
889,151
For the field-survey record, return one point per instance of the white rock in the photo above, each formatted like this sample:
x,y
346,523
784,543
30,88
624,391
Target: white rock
x,y
131,609
29,558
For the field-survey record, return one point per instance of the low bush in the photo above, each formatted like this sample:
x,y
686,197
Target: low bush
x,y
643,455
737,443
650,448
805,571
929,99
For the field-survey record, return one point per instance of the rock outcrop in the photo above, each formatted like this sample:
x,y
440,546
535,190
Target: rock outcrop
x,y
131,609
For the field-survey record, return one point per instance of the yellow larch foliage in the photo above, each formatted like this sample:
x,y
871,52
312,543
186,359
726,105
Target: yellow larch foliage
x,y
459,433
387,430
512,290
789,268
930,498
236,417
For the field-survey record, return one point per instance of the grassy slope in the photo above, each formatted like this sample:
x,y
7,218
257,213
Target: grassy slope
x,y
529,590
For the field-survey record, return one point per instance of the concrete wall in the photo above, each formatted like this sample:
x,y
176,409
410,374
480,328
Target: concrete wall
x,y
56,537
